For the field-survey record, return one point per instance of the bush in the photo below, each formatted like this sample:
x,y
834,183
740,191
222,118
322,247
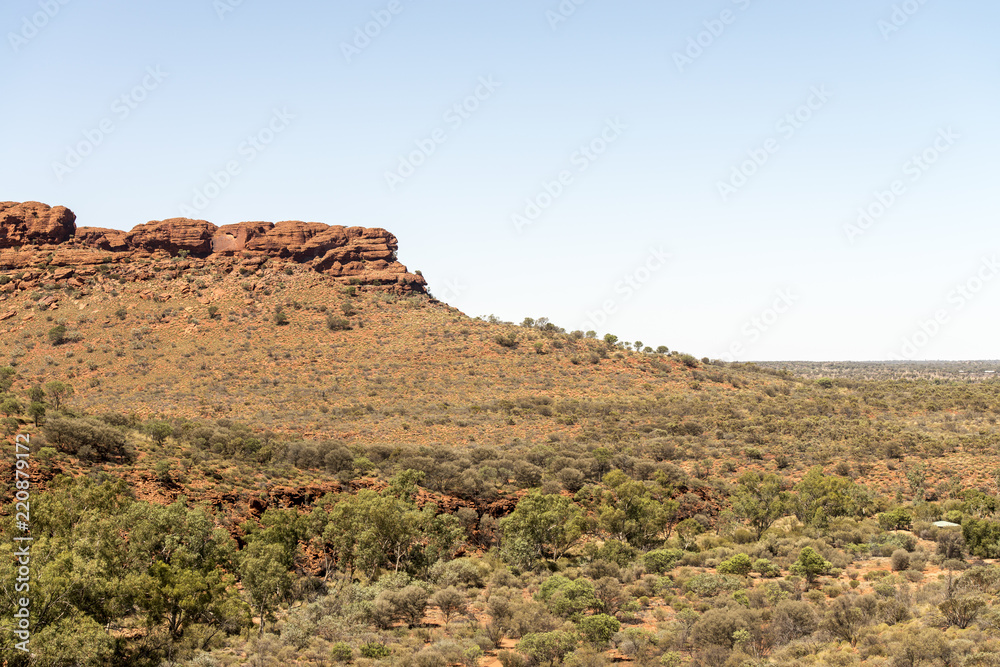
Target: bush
x,y
374,650
739,564
57,334
506,340
280,319
86,437
897,519
659,561
547,646
900,560
511,659
599,628
334,323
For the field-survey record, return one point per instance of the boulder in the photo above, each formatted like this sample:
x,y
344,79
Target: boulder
x,y
34,223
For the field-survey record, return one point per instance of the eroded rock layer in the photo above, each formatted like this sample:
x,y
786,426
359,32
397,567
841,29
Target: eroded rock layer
x,y
38,236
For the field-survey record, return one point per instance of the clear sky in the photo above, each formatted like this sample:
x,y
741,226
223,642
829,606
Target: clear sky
x,y
689,174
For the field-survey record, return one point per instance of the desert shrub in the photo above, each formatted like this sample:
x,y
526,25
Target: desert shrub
x,y
511,659
506,340
334,323
719,626
661,560
599,628
459,572
739,564
547,647
897,519
86,436
407,604
766,568
374,650
793,619
450,601
341,652
900,560
709,585
565,597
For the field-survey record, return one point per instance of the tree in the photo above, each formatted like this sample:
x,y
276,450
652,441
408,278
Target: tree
x,y
36,394
59,391
158,431
962,611
11,406
810,565
759,500
450,601
565,597
264,577
820,496
37,412
631,514
542,526
846,618
7,379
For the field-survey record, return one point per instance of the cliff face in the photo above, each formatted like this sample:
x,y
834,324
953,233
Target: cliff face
x,y
36,236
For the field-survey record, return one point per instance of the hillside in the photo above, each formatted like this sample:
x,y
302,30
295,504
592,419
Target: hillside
x,y
366,453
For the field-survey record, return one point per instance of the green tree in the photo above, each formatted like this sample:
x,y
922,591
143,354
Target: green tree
x,y
542,526
59,392
759,500
630,513
810,564
264,577
7,379
11,406
159,431
820,496
566,597
36,410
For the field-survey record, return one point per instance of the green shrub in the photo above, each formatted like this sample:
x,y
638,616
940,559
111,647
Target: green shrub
x,y
599,628
897,519
506,340
659,561
374,650
739,564
57,334
334,323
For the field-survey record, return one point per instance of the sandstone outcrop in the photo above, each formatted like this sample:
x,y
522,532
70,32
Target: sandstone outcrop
x,y
104,239
35,236
173,235
33,223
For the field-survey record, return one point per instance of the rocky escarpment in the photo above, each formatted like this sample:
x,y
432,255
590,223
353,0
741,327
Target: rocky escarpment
x,y
36,237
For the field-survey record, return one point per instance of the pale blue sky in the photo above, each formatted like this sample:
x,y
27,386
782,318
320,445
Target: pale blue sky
x,y
776,242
